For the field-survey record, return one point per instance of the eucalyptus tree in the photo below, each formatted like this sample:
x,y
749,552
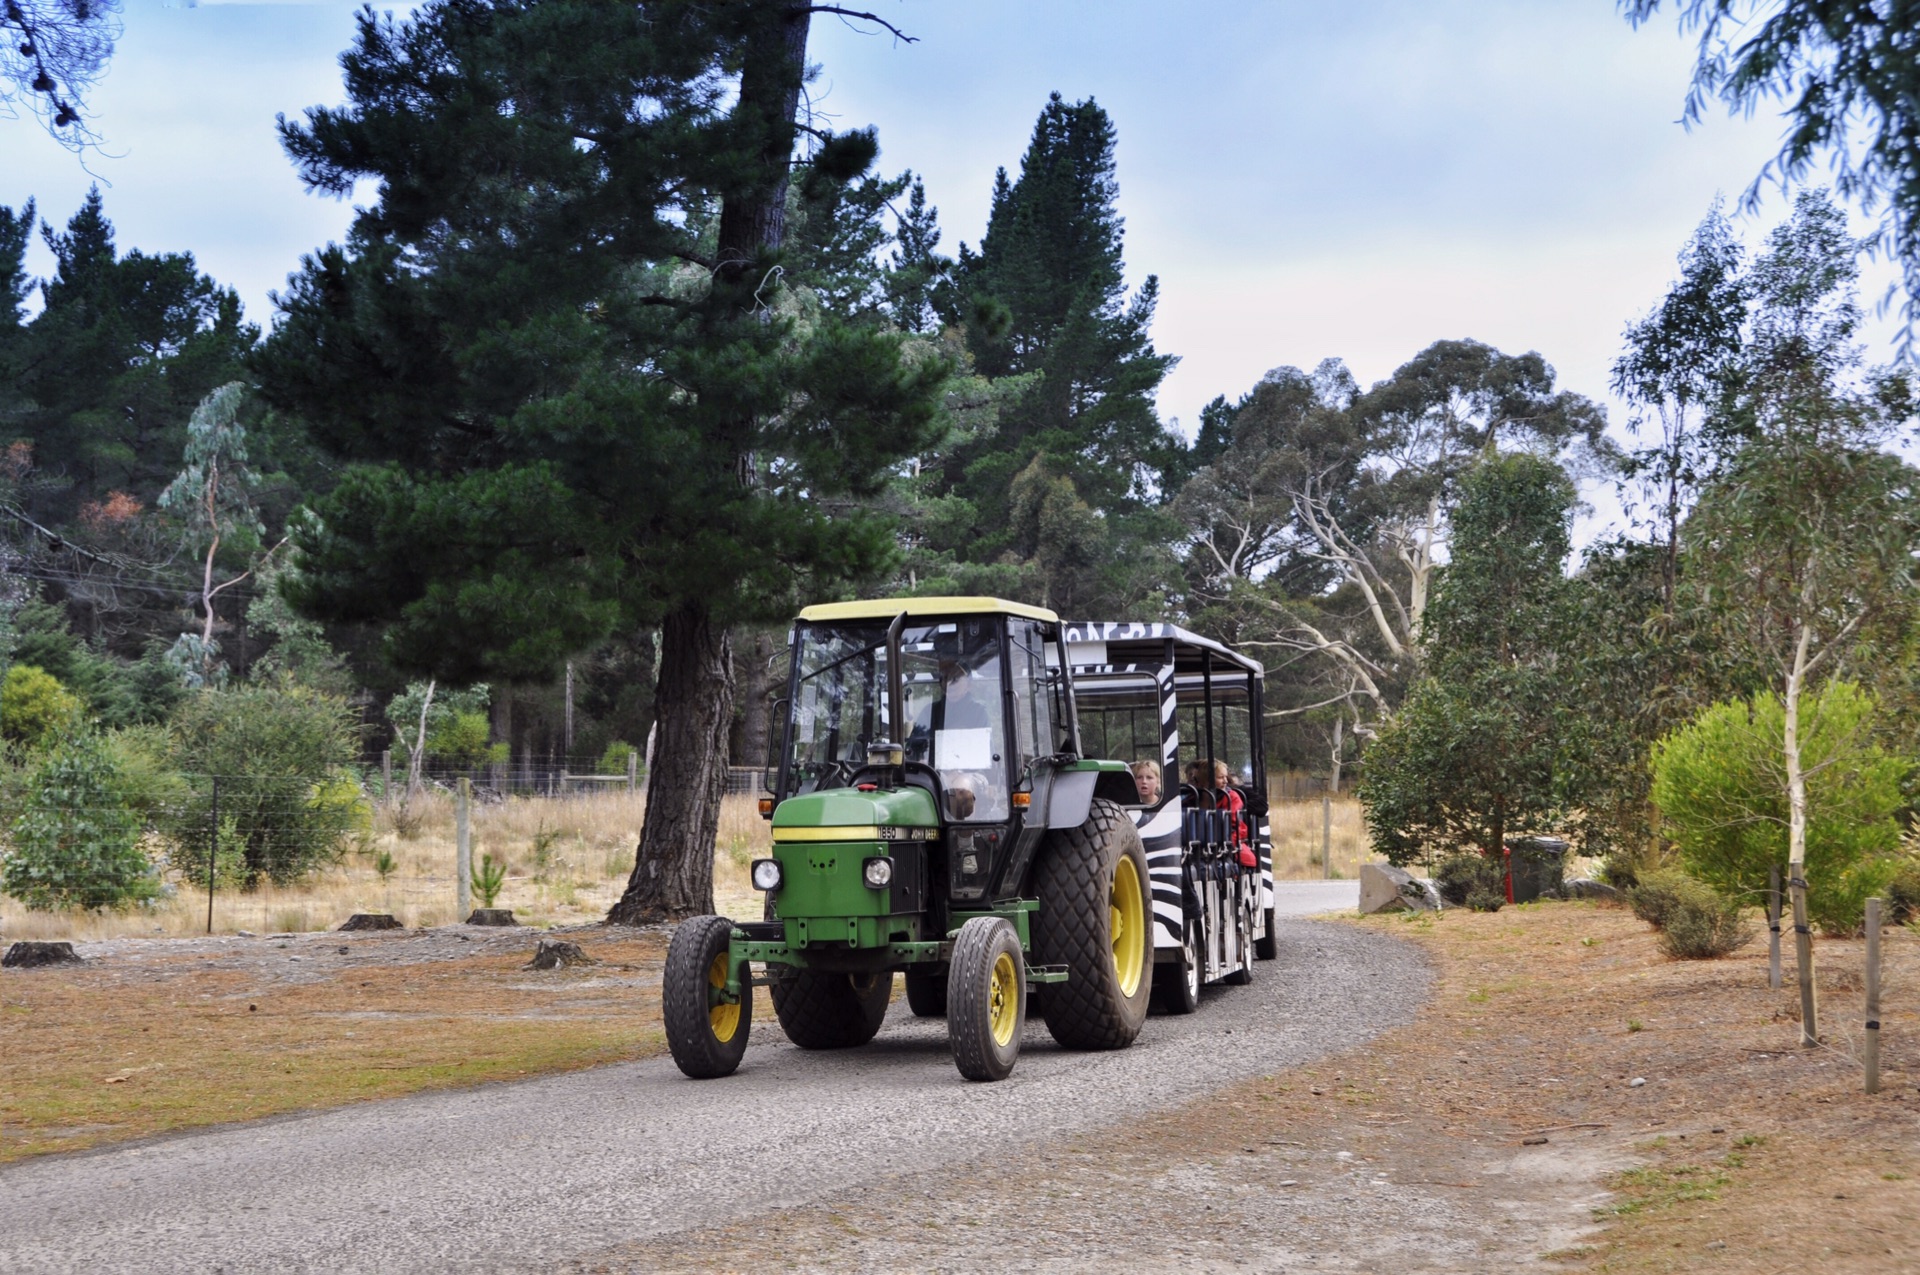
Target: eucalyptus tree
x,y
558,360
1802,548
1324,492
1844,72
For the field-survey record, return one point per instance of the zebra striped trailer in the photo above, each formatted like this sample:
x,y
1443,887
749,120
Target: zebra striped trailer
x,y
1188,710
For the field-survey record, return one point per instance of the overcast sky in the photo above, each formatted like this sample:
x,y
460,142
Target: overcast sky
x,y
1307,179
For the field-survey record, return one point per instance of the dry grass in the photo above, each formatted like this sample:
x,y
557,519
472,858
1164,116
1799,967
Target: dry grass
x,y
1298,832
567,860
155,1037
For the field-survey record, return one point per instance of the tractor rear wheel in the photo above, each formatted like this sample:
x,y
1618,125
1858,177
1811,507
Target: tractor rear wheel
x,y
927,991
1176,985
986,999
1095,918
824,1010
707,1033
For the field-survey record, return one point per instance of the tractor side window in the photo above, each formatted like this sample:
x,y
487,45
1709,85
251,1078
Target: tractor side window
x,y
1032,692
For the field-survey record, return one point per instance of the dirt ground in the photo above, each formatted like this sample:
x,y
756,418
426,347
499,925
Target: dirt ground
x,y
156,1035
1502,1130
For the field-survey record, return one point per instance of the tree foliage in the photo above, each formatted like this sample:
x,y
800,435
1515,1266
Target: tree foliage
x,y
52,52
74,844
283,756
1845,71
1482,748
1720,785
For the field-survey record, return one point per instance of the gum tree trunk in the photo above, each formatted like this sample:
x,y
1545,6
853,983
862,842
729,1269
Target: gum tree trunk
x,y
673,869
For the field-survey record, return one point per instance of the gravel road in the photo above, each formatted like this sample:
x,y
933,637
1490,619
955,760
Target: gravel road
x,y
525,1176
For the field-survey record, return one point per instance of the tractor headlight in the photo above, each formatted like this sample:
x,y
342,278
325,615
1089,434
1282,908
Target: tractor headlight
x,y
766,874
878,872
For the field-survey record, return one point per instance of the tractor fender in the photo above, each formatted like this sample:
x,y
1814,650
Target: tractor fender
x,y
1071,800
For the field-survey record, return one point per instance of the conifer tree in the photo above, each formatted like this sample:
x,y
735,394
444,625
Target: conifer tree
x,y
574,402
1045,294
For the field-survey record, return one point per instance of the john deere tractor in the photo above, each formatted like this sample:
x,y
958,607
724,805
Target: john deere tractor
x,y
932,815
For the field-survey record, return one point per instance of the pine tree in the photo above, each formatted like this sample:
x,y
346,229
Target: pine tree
x,y
1046,296
574,401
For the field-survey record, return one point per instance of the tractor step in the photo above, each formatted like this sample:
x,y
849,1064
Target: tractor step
x,y
1046,973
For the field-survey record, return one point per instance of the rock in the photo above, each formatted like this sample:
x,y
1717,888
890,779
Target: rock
x,y
1584,888
28,956
492,916
1636,1082
370,921
557,954
1384,888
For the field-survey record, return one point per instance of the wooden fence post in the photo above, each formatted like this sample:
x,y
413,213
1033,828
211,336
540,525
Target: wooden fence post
x,y
633,771
463,852
386,774
1773,928
1326,836
1872,1051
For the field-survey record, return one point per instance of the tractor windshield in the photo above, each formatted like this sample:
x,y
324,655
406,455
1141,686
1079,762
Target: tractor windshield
x,y
955,718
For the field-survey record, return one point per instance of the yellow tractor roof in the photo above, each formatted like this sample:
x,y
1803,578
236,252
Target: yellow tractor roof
x,y
887,608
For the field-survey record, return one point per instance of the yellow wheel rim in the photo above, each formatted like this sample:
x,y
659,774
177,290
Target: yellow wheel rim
x,y
1127,922
1003,1000
723,1017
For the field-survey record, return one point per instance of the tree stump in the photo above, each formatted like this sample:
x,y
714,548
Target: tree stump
x,y
557,954
28,956
370,921
492,916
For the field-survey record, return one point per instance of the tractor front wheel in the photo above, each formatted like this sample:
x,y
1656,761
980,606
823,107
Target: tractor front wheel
x,y
986,999
823,1010
706,1032
1096,919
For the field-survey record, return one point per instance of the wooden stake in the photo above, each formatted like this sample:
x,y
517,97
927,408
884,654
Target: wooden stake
x,y
463,852
1773,928
1326,836
1872,1051
633,771
1803,957
386,774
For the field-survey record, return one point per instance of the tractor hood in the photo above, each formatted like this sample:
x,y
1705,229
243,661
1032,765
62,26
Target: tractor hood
x,y
848,814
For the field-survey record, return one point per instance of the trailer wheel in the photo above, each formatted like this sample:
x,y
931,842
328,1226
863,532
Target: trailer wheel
x,y
986,999
706,1034
823,1010
1244,975
1176,985
927,991
1267,946
1094,918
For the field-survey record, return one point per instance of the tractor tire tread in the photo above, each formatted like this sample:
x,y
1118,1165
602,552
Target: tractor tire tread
x,y
1073,882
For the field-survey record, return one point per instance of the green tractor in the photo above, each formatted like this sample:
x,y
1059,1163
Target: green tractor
x,y
932,815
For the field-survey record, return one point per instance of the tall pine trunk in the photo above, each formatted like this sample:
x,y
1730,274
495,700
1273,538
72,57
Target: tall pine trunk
x,y
673,870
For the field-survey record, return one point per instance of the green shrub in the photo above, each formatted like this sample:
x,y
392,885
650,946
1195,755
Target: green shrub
x,y
614,760
283,755
1903,893
460,740
1720,786
74,842
35,709
1694,921
1472,881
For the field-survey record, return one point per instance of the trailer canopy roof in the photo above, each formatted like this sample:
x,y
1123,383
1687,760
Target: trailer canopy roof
x,y
1120,642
